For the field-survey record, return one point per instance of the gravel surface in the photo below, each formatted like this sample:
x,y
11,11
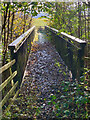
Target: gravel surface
x,y
43,76
41,80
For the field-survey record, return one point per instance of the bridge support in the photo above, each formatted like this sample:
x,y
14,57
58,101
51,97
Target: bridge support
x,y
20,49
71,50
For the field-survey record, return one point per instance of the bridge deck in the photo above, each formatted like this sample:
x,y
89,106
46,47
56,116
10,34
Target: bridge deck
x,y
43,78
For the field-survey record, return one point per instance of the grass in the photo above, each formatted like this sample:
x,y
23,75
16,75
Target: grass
x,y
39,22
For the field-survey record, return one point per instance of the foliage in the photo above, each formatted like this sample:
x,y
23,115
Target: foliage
x,y
16,19
69,17
74,100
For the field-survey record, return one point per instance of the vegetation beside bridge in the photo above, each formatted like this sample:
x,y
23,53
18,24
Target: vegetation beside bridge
x,y
70,19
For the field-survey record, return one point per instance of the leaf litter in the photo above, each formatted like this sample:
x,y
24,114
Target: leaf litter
x,y
43,84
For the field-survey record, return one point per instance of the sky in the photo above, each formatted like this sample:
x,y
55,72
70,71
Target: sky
x,y
46,0
40,14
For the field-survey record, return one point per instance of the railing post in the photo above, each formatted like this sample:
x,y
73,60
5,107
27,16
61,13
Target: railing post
x,y
70,56
13,56
81,51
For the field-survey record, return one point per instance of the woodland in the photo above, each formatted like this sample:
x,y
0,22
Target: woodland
x,y
16,18
72,18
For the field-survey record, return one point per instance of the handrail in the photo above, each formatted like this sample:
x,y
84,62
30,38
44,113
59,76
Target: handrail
x,y
16,43
19,50
68,36
70,48
7,80
5,67
55,30
5,83
73,38
9,94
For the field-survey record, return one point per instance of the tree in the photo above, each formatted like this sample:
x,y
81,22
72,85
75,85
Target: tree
x,y
11,13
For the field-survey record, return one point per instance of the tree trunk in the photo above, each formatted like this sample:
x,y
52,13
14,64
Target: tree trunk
x,y
4,30
85,20
11,37
79,19
5,16
8,30
24,23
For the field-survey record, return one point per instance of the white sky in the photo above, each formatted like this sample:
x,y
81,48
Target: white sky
x,y
45,0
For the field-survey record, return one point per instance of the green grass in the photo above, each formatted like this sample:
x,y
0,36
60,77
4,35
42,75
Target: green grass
x,y
39,22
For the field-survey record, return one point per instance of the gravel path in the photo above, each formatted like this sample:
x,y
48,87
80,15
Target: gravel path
x,y
43,76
